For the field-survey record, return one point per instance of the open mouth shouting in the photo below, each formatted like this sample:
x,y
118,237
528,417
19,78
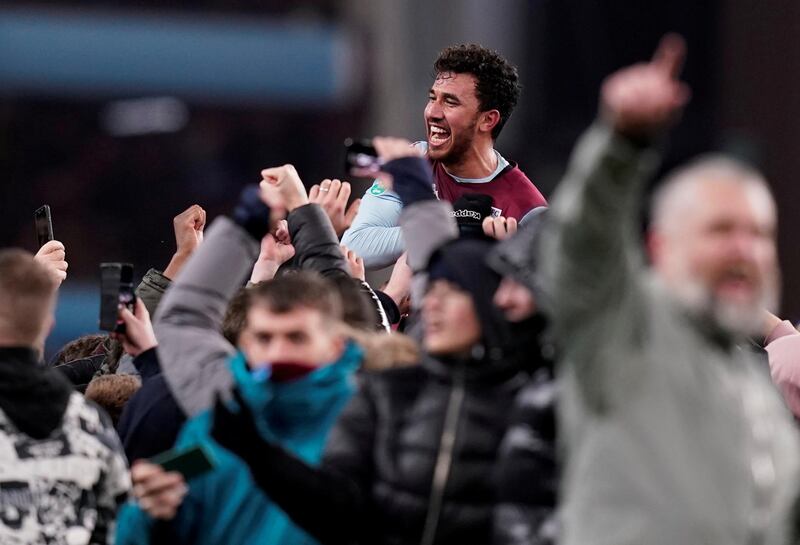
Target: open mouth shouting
x,y
438,136
737,283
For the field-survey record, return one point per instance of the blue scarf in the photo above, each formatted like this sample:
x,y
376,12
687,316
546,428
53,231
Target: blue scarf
x,y
292,413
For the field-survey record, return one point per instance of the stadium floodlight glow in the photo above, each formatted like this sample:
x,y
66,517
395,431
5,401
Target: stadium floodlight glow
x,y
144,116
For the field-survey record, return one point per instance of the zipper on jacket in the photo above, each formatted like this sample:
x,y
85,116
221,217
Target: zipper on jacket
x,y
444,460
762,462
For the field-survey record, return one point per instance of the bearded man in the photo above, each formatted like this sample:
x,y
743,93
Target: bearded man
x,y
472,97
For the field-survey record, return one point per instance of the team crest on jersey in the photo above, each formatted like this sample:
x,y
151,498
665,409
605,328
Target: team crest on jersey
x,y
376,189
496,212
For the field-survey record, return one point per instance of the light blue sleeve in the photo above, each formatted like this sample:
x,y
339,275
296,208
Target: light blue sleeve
x,y
375,234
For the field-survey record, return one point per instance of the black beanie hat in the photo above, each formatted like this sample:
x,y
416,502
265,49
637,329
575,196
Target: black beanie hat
x,y
463,262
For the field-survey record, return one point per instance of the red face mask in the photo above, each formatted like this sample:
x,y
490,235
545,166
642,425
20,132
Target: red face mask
x,y
285,371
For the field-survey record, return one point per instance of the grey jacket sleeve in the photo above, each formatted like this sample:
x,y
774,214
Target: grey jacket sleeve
x,y
591,254
151,289
426,225
315,242
192,350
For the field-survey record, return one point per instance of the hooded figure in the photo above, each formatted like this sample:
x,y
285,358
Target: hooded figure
x,y
527,473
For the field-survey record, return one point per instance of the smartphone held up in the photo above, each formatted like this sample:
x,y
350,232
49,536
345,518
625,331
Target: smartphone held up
x,y
116,289
361,158
44,225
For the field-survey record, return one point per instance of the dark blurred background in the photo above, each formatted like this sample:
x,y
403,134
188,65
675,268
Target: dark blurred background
x,y
120,114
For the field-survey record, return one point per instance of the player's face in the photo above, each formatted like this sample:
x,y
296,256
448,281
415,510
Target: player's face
x,y
451,116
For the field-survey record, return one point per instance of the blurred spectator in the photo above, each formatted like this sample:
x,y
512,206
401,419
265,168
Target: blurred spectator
x,y
294,371
64,474
782,343
673,433
524,475
87,357
444,418
526,472
112,392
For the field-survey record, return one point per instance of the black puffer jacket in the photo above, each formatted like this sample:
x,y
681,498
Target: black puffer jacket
x,y
411,458
421,444
526,473
527,470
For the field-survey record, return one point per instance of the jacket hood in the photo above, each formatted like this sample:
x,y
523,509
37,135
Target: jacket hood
x,y
33,397
518,256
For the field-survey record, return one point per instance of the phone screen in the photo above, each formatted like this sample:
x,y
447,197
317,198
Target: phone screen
x,y
116,288
44,225
360,158
190,463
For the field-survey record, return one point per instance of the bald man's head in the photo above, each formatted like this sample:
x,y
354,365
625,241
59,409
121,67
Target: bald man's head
x,y
712,241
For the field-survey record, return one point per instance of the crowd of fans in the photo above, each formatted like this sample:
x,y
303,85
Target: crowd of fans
x,y
531,373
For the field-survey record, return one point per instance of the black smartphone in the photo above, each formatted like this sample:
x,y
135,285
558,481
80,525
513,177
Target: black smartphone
x,y
44,225
190,463
116,288
360,158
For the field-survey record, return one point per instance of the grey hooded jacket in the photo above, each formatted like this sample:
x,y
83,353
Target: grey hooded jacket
x,y
192,350
673,433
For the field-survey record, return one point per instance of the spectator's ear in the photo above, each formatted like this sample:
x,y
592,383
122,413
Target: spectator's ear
x,y
338,339
654,244
339,343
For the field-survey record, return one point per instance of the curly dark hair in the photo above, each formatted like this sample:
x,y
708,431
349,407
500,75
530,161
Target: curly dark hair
x,y
497,82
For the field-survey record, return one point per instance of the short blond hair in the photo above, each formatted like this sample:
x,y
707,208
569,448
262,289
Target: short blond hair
x,y
27,293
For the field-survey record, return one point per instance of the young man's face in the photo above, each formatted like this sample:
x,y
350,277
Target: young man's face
x,y
451,322
451,116
302,335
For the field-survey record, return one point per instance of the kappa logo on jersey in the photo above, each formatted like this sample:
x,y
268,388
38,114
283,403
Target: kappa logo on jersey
x,y
376,189
466,214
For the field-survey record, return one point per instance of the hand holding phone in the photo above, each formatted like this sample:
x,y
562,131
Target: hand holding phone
x,y
158,493
367,157
190,463
361,158
139,335
116,288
